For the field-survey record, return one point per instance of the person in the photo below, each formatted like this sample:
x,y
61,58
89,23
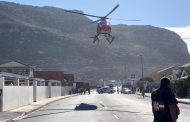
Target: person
x,y
143,93
118,90
164,103
89,90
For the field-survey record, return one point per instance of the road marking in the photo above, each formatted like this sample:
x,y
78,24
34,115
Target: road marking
x,y
20,117
115,116
102,105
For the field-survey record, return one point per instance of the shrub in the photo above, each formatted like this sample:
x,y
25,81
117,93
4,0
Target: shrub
x,y
182,88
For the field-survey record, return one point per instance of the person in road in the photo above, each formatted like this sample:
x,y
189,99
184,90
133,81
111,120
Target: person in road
x,y
143,93
164,103
89,90
118,90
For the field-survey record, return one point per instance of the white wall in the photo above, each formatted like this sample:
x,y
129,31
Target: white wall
x,y
16,96
19,96
55,91
65,90
42,92
2,79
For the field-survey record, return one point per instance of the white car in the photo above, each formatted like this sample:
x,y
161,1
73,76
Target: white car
x,y
126,91
106,89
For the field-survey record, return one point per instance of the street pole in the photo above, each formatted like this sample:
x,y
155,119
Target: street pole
x,y
141,57
125,71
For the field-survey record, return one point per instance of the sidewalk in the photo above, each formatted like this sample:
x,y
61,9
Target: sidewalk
x,y
184,101
20,112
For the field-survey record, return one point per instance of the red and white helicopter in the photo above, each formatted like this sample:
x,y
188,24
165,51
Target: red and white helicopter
x,y
103,27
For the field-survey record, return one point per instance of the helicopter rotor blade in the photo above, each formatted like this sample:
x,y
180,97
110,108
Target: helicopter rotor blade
x,y
124,19
95,21
82,14
112,11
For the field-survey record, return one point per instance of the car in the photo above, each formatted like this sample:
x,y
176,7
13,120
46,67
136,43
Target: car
x,y
106,89
126,91
102,90
97,88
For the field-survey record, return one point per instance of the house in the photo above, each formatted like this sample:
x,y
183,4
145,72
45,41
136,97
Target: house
x,y
171,72
184,70
69,77
17,68
66,79
50,75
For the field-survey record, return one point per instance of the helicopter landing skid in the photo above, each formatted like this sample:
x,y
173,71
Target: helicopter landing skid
x,y
95,38
108,37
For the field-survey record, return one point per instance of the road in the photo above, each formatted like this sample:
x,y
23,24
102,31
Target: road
x,y
100,108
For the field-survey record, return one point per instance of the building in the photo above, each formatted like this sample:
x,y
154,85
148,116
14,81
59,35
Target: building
x,y
69,77
184,70
170,72
50,75
17,68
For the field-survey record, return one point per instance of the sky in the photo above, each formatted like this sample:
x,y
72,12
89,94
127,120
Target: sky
x,y
170,14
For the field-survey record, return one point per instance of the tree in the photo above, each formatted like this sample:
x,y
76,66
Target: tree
x,y
150,84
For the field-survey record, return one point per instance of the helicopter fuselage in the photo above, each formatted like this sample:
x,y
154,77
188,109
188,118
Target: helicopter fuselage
x,y
105,29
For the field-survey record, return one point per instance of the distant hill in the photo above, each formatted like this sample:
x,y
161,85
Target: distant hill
x,y
53,39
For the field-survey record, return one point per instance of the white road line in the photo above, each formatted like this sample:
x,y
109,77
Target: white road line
x,y
115,116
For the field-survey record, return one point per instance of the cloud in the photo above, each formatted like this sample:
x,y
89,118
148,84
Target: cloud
x,y
184,32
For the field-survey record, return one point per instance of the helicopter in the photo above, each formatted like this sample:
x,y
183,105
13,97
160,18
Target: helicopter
x,y
103,30
103,27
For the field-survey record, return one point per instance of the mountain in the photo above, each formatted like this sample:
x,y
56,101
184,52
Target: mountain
x,y
53,39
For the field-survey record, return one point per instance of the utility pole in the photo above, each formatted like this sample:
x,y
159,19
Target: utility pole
x,y
141,58
125,71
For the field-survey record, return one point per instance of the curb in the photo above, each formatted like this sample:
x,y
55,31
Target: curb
x,y
183,102
32,110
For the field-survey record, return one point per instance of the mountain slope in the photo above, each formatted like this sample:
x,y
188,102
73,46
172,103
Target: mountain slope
x,y
53,39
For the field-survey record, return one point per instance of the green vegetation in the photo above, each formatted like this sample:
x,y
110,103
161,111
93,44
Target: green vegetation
x,y
151,84
182,87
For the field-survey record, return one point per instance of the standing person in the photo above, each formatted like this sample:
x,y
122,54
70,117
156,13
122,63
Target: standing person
x,y
164,103
118,90
143,93
89,90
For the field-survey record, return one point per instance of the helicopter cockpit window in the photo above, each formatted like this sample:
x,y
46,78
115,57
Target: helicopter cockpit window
x,y
102,23
108,23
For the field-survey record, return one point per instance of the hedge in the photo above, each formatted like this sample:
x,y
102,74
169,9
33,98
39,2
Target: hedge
x,y
182,88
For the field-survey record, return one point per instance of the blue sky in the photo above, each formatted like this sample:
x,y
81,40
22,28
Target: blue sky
x,y
160,13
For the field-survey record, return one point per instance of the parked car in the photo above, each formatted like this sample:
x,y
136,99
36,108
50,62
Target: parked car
x,y
126,91
98,88
106,89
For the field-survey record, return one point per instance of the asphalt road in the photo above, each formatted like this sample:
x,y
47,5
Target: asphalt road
x,y
100,108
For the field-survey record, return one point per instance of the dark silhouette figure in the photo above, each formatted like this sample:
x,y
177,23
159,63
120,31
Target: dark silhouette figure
x,y
164,103
89,90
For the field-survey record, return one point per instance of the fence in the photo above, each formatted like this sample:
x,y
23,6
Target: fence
x,y
17,91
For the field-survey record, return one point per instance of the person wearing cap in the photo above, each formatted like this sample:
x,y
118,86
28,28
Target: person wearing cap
x,y
164,103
